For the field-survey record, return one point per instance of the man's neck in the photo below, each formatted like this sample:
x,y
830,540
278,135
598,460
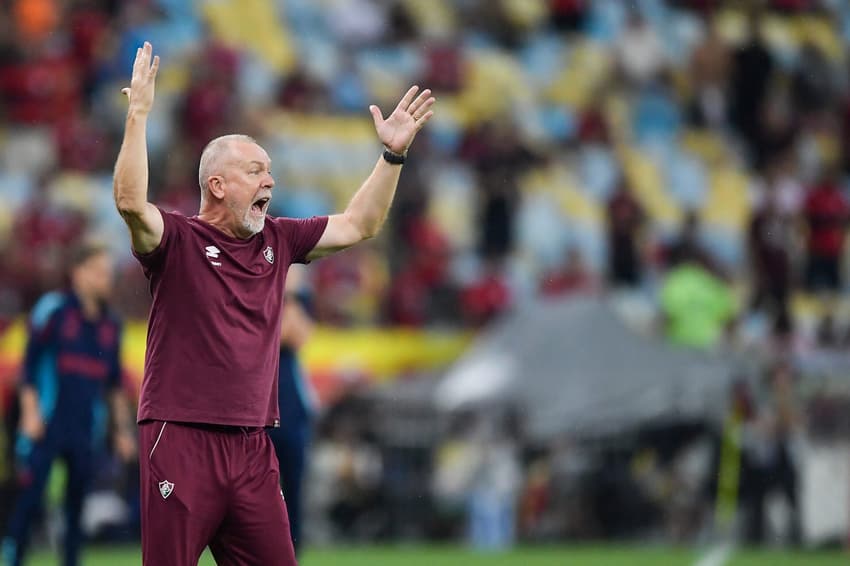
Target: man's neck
x,y
219,220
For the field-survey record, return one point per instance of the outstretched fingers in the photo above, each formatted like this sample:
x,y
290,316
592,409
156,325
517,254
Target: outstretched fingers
x,y
145,67
404,103
143,60
420,122
420,100
423,108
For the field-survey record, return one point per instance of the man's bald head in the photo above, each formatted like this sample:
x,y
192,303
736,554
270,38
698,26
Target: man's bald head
x,y
215,154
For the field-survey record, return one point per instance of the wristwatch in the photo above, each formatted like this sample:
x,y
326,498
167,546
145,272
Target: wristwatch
x,y
395,158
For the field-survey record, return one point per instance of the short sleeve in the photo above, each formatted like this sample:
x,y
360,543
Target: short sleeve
x,y
152,261
43,324
302,235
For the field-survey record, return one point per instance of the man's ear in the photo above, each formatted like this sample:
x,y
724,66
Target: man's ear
x,y
215,184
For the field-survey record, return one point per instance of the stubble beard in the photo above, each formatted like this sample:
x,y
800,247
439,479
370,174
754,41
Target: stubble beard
x,y
252,225
249,225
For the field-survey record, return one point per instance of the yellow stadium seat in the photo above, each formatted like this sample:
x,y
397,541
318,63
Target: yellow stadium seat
x,y
648,188
564,187
731,25
728,204
822,33
589,66
705,144
435,18
778,32
525,14
255,25
495,83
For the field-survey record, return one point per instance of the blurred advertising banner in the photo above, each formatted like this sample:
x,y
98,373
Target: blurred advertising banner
x,y
335,359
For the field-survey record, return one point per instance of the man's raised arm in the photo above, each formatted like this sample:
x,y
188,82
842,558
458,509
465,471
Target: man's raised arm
x,y
130,185
368,210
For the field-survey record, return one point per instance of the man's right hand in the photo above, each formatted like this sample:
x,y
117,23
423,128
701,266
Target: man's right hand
x,y
130,181
141,90
32,426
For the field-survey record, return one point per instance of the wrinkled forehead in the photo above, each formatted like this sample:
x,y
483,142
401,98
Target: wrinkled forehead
x,y
242,152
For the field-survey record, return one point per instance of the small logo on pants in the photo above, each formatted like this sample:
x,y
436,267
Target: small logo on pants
x,y
166,488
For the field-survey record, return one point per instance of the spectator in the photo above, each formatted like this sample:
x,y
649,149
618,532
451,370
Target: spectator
x,y
697,306
768,453
210,105
500,158
486,297
813,83
688,246
826,213
625,220
771,244
568,15
640,53
710,67
573,276
751,73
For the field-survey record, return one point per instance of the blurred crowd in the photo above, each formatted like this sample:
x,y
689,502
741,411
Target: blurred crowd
x,y
693,155
580,146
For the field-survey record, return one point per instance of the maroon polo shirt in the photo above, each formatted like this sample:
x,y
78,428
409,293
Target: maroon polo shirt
x,y
214,328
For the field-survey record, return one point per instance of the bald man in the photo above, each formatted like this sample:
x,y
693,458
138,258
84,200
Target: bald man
x,y
209,472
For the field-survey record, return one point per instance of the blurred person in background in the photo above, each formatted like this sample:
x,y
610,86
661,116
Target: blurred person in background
x,y
768,464
573,276
71,368
771,241
697,307
826,212
710,66
295,399
500,157
625,221
640,52
347,475
496,484
752,68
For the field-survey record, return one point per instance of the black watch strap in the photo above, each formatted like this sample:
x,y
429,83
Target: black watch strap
x,y
393,157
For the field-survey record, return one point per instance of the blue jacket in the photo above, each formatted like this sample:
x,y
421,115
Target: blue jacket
x,y
72,363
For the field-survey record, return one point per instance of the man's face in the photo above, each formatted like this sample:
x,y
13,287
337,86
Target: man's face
x,y
94,276
248,186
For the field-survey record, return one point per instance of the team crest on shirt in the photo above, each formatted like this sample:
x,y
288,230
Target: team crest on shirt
x,y
212,255
268,253
166,488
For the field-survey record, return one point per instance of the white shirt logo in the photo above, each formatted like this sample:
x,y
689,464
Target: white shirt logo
x,y
268,253
212,254
166,488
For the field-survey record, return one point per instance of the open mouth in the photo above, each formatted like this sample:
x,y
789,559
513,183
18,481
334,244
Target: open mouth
x,y
260,205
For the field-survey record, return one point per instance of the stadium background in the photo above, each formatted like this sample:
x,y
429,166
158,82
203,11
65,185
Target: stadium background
x,y
679,167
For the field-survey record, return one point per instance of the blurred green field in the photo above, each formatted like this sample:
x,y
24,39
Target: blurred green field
x,y
537,556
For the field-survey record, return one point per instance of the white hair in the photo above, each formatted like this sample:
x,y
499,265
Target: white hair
x,y
212,156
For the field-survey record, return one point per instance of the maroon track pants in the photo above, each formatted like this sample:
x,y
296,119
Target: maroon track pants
x,y
216,487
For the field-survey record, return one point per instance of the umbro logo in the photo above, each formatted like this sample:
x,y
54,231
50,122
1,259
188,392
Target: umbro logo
x,y
166,488
212,255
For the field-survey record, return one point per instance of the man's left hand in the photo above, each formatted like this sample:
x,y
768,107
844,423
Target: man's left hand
x,y
397,131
